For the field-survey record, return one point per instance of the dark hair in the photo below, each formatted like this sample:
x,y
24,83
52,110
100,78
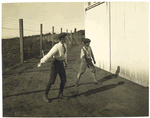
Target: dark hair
x,y
86,40
60,36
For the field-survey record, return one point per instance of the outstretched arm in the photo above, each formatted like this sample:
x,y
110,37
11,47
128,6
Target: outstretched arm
x,y
49,55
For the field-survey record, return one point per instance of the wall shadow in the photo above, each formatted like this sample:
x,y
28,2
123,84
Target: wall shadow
x,y
20,72
35,91
112,76
106,78
93,91
23,93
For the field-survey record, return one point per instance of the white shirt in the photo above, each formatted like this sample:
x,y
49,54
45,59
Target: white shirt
x,y
88,52
57,52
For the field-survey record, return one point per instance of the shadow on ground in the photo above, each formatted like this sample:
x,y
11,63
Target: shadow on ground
x,y
97,90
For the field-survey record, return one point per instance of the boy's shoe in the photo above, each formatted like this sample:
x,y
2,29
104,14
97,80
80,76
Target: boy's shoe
x,y
95,82
100,83
77,83
45,99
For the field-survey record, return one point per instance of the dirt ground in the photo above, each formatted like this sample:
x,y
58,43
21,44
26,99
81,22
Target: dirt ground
x,y
24,86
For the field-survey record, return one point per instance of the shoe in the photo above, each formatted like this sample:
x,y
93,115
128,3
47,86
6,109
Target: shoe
x,y
77,83
100,83
60,96
95,82
45,99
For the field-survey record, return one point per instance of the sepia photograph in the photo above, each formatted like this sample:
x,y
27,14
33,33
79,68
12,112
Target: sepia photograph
x,y
75,59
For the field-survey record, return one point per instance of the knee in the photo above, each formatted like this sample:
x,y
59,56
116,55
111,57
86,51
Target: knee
x,y
62,82
93,71
81,72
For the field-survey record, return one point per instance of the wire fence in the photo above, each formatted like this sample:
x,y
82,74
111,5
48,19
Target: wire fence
x,y
31,40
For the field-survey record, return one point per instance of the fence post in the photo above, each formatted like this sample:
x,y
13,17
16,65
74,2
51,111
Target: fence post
x,y
75,30
52,36
21,40
41,41
71,37
66,38
61,30
78,38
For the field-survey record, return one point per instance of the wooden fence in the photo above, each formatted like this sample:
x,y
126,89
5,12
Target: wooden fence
x,y
27,47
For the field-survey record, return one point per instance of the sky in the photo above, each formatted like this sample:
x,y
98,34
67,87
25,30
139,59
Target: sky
x,y
65,15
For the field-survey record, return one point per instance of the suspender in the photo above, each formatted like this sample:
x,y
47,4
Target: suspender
x,y
88,60
85,52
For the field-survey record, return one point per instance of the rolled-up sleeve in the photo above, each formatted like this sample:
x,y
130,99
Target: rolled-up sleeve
x,y
49,55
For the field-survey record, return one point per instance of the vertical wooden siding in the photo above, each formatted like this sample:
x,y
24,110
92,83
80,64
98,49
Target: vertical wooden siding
x,y
129,38
97,29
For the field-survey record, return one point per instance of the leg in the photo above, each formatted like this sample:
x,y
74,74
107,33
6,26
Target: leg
x,y
53,75
83,66
62,74
93,70
60,95
94,78
45,97
79,75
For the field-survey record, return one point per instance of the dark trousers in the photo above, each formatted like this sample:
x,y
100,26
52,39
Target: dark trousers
x,y
57,67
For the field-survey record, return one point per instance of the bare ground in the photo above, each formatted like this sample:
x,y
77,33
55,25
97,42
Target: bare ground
x,y
24,86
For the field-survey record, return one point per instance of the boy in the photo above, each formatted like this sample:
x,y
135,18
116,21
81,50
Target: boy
x,y
59,54
86,60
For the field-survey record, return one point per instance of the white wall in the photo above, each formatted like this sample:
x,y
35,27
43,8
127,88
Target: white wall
x,y
129,38
97,29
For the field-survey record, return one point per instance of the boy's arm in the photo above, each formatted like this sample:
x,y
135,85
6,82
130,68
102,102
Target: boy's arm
x,y
82,54
65,62
93,56
49,55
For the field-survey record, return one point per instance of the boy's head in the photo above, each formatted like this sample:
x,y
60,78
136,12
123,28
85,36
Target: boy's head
x,y
61,37
86,41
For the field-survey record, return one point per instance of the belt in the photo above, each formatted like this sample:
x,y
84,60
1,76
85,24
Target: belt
x,y
59,60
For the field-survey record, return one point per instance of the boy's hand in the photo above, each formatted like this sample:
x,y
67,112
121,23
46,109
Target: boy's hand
x,y
65,64
39,64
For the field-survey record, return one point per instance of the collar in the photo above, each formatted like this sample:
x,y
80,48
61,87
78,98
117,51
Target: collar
x,y
85,47
61,43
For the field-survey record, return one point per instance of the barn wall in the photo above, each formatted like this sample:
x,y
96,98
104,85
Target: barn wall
x,y
97,29
120,38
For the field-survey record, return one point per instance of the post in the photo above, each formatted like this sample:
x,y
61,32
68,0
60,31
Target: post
x,y
75,30
53,36
61,30
41,41
71,37
21,40
67,38
78,38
